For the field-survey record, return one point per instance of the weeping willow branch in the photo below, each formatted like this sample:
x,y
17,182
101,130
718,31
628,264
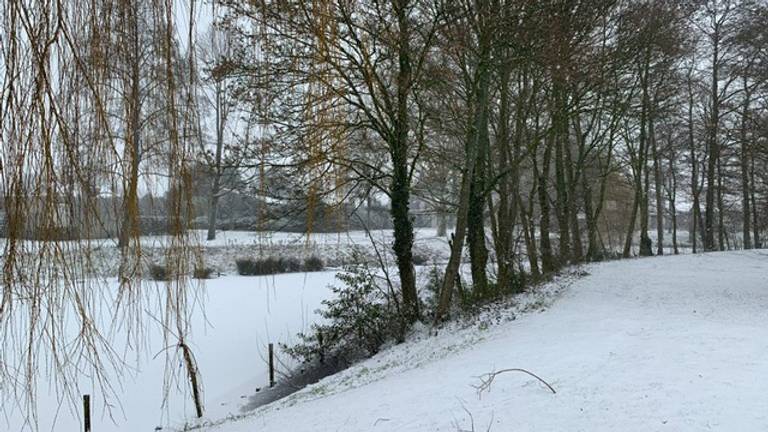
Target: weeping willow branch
x,y
93,96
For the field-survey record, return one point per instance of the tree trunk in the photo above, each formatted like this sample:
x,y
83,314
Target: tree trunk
x,y
217,171
403,231
721,234
592,254
596,248
478,252
130,223
400,189
472,154
672,195
657,177
714,153
646,136
560,140
548,264
573,173
744,165
755,225
506,211
529,234
695,191
632,219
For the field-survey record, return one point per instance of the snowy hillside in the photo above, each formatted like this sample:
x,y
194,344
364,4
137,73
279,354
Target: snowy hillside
x,y
669,344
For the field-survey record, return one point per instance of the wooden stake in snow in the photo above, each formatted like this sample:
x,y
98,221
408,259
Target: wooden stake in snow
x,y
271,365
87,412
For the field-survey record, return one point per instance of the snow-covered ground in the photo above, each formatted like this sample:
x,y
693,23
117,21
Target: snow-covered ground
x,y
674,343
230,336
677,343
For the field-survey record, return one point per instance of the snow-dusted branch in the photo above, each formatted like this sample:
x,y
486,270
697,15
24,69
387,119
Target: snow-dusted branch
x,y
486,380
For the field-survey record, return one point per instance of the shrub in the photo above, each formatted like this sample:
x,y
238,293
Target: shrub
x,y
202,273
290,265
158,272
267,266
245,266
313,264
257,267
432,286
359,318
419,259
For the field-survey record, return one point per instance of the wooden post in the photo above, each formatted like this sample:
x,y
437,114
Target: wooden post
x,y
87,412
271,365
320,346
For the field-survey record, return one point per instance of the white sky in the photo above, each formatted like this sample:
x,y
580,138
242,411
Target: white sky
x,y
203,16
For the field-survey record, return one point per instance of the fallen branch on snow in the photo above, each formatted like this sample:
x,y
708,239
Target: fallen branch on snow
x,y
487,379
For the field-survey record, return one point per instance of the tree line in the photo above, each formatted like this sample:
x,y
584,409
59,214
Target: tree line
x,y
518,118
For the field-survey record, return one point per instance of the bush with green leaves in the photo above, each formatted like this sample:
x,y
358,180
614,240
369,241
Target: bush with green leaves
x,y
432,282
290,265
358,319
246,266
260,267
158,272
202,273
313,264
272,265
420,260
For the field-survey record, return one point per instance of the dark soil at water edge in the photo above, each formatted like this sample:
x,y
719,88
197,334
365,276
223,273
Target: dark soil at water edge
x,y
297,380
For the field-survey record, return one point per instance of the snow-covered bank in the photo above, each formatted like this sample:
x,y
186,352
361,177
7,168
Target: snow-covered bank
x,y
675,343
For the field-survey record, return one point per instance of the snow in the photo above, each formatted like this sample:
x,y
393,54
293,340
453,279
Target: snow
x,y
668,343
676,343
230,335
336,249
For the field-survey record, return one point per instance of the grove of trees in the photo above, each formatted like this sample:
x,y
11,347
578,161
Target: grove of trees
x,y
520,118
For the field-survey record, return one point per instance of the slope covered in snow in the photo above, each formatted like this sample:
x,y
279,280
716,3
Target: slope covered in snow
x,y
658,344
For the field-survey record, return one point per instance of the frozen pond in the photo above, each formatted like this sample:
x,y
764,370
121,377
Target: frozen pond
x,y
241,315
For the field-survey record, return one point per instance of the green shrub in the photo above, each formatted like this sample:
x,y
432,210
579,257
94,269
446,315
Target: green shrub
x,y
258,267
360,317
158,272
246,266
270,266
313,264
420,260
290,265
202,273
432,286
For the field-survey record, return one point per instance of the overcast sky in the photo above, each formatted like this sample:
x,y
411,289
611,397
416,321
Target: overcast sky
x,y
203,17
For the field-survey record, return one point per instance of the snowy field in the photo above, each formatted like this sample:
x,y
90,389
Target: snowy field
x,y
676,343
336,249
240,317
